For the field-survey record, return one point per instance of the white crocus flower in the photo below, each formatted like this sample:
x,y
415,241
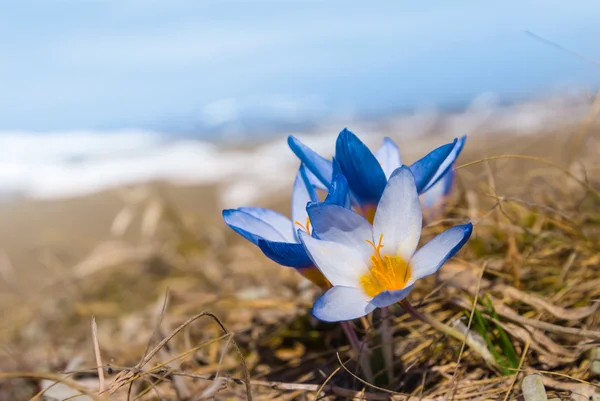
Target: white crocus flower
x,y
374,266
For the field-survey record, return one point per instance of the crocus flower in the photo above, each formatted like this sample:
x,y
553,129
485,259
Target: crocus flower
x,y
367,173
374,266
434,200
276,235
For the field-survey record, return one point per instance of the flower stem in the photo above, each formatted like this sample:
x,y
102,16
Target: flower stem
x,y
387,343
481,349
360,349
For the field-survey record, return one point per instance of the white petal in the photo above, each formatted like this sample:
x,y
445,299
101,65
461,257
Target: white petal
x,y
251,225
338,224
398,216
342,303
389,157
434,195
340,264
279,222
302,193
433,254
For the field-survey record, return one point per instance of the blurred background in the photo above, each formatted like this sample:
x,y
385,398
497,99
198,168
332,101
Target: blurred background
x,y
101,94
116,116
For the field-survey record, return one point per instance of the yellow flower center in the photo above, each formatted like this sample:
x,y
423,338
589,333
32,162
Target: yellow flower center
x,y
305,226
386,273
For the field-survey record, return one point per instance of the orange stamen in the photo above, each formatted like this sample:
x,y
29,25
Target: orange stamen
x,y
305,227
386,273
377,247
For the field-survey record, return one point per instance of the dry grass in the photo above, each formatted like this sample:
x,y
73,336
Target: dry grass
x,y
237,324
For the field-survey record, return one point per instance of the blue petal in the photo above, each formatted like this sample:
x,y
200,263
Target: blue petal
x,y
337,170
448,180
251,227
447,163
362,170
342,303
436,252
424,169
305,174
314,181
279,222
434,198
286,254
338,192
389,157
302,193
387,298
318,165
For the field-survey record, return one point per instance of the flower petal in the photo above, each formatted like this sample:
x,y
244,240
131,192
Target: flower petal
x,y
447,163
248,223
314,181
434,195
389,157
313,274
433,254
338,224
318,165
435,198
286,254
342,303
398,217
448,180
387,298
279,222
425,168
338,192
302,193
337,170
338,263
362,170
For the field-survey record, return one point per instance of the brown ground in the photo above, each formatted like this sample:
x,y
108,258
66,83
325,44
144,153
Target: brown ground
x,y
60,265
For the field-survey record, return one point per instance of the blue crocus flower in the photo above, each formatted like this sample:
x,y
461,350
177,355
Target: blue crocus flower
x,y
435,198
276,235
368,173
374,266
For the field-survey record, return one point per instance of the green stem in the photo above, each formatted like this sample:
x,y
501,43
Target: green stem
x,y
387,343
360,349
481,349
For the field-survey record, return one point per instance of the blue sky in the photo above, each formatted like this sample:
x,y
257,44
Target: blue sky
x,y
114,64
